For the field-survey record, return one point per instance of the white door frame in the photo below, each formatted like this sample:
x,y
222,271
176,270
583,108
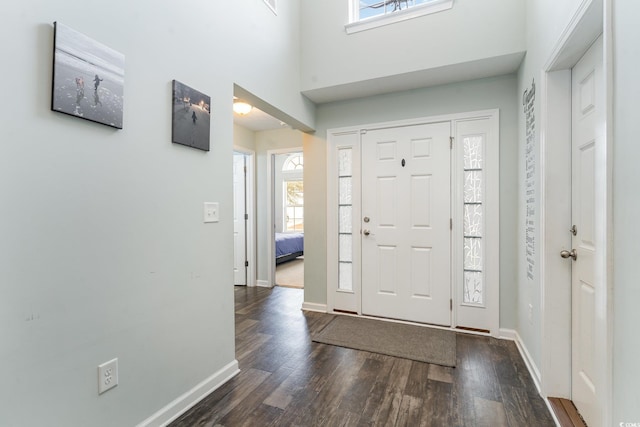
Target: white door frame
x,y
251,210
592,18
350,137
271,244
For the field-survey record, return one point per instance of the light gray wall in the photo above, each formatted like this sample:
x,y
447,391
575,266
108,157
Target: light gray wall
x,y
471,30
626,206
496,92
244,138
265,141
103,252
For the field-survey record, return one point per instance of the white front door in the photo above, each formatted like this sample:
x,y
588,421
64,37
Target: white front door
x,y
588,293
406,241
239,222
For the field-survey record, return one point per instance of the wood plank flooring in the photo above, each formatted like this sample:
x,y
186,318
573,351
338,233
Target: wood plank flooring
x,y
287,380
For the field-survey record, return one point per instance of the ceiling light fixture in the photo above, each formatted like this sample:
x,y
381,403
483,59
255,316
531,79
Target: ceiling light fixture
x,y
242,108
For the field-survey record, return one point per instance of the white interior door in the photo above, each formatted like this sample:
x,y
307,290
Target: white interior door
x,y
406,235
588,291
239,220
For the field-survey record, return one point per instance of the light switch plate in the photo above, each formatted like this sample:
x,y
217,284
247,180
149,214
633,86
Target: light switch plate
x,y
211,212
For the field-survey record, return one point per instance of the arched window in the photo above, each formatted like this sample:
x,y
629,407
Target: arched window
x,y
293,163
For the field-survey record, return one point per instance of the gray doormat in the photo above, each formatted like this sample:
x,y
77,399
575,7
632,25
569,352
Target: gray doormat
x,y
419,343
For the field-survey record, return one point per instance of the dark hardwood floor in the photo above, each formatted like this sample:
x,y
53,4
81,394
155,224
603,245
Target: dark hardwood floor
x,y
287,380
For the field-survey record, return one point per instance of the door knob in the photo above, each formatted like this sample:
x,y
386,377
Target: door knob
x,y
366,232
566,254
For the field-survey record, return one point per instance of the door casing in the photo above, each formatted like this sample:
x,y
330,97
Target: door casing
x,y
350,137
251,211
591,19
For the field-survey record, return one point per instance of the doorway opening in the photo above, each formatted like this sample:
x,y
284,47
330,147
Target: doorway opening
x,y
288,218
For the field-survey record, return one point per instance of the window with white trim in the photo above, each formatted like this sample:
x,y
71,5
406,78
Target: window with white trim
x,y
367,14
293,189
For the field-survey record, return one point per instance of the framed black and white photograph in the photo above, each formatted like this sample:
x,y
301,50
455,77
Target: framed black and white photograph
x,y
88,78
191,122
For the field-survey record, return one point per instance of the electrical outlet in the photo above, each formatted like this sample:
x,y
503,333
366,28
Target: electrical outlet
x,y
107,375
530,313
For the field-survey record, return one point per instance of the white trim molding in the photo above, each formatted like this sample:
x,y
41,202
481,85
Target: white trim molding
x,y
185,402
251,210
312,306
272,5
263,284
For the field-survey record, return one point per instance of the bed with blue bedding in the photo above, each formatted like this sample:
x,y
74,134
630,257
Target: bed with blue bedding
x,y
289,246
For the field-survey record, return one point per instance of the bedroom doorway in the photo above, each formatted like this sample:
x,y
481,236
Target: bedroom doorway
x,y
288,218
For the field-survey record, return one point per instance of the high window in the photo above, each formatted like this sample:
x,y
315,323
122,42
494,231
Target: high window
x,y
366,14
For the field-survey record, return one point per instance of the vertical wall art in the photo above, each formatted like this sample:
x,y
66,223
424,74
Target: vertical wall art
x,y
88,78
528,102
191,122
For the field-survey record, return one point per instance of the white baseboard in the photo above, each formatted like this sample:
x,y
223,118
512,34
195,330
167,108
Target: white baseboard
x,y
508,334
263,284
513,335
312,306
185,402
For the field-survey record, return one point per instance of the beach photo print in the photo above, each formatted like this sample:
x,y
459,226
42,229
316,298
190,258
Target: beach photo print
x,y
88,78
191,121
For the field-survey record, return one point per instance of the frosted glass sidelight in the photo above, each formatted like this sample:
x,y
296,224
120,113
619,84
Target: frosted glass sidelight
x,y
472,254
473,146
473,218
345,276
345,191
345,162
345,219
473,291
345,248
473,187
473,224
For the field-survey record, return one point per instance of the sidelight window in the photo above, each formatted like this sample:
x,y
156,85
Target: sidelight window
x,y
473,220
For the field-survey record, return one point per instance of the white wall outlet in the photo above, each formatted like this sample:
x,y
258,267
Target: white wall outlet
x,y
107,375
211,212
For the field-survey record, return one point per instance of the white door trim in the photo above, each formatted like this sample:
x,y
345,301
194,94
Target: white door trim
x,y
251,210
350,137
271,246
592,18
